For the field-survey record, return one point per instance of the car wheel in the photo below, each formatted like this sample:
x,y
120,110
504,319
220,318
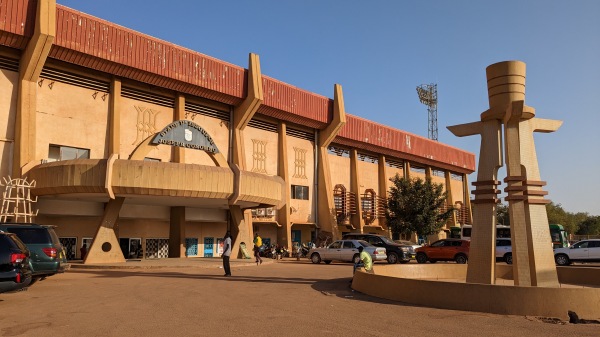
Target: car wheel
x,y
33,280
327,261
392,258
421,258
460,259
508,258
356,259
562,260
315,258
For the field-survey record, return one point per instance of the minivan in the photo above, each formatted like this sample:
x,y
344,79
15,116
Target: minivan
x,y
47,255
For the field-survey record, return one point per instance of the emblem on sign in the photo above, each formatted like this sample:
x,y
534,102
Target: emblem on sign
x,y
188,135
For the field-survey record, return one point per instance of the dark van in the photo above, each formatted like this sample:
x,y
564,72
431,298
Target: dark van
x,y
47,255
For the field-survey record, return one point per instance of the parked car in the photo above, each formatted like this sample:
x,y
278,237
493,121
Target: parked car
x,y
504,250
347,251
47,255
582,251
444,250
408,243
15,271
395,252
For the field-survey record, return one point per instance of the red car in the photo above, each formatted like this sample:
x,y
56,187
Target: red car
x,y
444,250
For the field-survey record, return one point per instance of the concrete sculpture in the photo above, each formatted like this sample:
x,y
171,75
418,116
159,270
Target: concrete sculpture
x,y
532,249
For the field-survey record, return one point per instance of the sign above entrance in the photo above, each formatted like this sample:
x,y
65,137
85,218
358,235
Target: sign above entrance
x,y
186,134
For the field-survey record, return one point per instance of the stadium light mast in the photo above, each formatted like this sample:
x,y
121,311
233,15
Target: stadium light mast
x,y
428,96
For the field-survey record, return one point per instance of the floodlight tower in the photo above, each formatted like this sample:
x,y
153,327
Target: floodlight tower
x,y
428,96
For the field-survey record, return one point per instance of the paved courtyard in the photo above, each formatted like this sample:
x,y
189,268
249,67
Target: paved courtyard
x,y
286,298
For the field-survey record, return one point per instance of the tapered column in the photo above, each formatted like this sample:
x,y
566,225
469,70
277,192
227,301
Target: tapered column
x,y
114,110
284,234
105,248
327,220
482,258
30,67
356,219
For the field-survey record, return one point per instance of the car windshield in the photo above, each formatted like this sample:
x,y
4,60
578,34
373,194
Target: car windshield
x,y
387,240
31,235
364,243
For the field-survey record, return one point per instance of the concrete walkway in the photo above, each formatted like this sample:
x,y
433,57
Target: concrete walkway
x,y
186,262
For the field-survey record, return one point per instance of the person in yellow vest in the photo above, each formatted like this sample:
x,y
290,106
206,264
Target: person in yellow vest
x,y
365,260
257,245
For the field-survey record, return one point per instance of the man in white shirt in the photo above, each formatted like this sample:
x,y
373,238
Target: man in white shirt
x,y
226,253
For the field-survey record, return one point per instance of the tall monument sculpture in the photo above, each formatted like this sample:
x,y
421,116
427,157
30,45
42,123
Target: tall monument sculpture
x,y
533,258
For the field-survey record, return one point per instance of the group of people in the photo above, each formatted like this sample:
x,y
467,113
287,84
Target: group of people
x,y
227,252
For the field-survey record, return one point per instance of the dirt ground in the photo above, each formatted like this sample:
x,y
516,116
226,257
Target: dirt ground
x,y
286,298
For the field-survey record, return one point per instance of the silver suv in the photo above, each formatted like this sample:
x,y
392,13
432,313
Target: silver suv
x,y
582,251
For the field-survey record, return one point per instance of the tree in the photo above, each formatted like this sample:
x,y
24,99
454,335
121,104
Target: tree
x,y
557,215
502,216
417,206
590,226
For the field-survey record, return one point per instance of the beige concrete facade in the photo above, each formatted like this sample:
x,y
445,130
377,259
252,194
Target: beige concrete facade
x,y
86,137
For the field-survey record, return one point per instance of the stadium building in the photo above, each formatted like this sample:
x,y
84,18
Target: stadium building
x,y
139,147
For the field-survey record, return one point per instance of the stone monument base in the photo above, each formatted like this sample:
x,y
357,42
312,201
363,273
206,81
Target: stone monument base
x,y
443,286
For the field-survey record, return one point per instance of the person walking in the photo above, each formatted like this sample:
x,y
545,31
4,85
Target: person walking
x,y
257,245
226,253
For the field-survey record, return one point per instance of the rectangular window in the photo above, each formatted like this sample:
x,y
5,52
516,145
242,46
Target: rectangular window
x,y
59,152
299,192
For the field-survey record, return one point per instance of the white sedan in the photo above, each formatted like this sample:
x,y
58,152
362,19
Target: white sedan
x,y
347,251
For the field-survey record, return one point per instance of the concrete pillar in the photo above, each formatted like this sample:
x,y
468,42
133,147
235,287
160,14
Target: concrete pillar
x,y
114,140
105,248
327,219
30,67
177,232
284,233
356,219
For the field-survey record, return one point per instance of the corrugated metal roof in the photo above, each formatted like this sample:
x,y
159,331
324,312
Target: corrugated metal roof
x,y
15,25
368,135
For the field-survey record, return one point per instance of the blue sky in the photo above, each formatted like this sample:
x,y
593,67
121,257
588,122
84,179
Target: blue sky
x,y
379,51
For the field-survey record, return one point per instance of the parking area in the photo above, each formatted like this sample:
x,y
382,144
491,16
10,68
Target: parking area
x,y
277,298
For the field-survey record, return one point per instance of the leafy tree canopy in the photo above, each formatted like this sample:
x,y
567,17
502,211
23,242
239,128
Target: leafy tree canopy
x,y
416,205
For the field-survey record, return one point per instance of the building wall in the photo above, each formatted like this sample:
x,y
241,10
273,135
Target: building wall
x,y
140,120
74,110
8,109
303,210
390,172
458,193
439,180
269,139
339,170
369,179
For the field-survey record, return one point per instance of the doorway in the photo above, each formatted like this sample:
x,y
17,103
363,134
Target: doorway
x,y
131,247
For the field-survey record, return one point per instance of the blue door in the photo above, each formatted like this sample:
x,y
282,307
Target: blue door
x,y
297,236
208,247
191,246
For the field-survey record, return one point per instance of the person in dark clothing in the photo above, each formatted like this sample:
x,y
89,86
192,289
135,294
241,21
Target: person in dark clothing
x,y
226,253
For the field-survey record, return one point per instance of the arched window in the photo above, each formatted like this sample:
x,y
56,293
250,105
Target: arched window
x,y
344,203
